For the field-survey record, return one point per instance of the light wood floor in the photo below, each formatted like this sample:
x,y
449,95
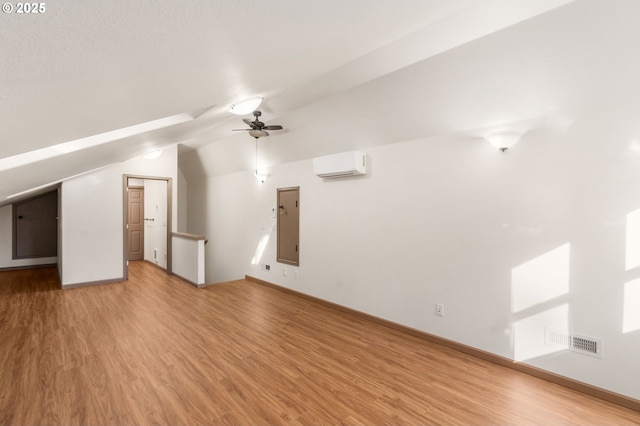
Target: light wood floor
x,y
156,350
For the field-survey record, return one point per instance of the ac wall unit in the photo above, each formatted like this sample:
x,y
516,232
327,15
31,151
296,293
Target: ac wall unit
x,y
351,163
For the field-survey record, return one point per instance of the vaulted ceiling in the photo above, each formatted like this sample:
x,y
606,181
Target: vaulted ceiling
x,y
85,68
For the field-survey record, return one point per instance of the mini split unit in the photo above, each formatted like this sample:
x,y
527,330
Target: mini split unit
x,y
351,163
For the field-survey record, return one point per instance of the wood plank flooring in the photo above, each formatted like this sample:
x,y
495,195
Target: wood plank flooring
x,y
155,350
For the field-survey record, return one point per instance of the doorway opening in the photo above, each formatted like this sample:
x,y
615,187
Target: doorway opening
x,y
147,212
35,227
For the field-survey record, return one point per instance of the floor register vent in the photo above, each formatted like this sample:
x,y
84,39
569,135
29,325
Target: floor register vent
x,y
575,343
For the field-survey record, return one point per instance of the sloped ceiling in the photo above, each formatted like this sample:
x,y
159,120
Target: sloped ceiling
x,y
83,68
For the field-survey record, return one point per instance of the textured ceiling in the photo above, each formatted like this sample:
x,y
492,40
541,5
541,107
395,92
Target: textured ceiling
x,y
84,68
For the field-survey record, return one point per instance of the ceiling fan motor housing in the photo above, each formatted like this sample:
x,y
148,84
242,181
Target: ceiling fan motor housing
x,y
257,128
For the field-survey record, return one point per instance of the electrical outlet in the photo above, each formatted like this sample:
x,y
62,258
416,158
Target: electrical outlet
x,y
296,274
267,267
440,309
284,272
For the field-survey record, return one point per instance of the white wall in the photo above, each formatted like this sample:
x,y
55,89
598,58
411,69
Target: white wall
x,y
181,201
92,218
188,259
6,244
155,231
544,235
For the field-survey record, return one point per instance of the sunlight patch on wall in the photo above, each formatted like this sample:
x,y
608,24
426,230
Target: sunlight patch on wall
x,y
632,253
631,302
529,333
541,279
262,245
631,316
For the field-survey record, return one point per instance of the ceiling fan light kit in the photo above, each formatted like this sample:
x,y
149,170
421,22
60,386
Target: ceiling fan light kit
x,y
254,133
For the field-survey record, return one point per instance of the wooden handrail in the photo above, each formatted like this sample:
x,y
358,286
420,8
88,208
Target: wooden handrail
x,y
189,236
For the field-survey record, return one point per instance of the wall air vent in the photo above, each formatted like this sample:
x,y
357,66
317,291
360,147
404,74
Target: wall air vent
x,y
575,343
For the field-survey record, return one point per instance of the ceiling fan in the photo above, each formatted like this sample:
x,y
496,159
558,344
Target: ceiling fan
x,y
257,128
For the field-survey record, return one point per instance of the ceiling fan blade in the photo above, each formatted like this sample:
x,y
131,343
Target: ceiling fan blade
x,y
240,130
249,123
273,127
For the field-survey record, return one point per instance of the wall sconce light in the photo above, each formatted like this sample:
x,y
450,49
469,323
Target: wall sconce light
x,y
503,140
152,154
246,107
261,176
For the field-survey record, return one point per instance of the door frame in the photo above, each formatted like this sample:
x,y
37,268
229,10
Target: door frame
x,y
125,215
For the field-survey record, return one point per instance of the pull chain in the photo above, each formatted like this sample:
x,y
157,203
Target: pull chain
x,y
256,156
